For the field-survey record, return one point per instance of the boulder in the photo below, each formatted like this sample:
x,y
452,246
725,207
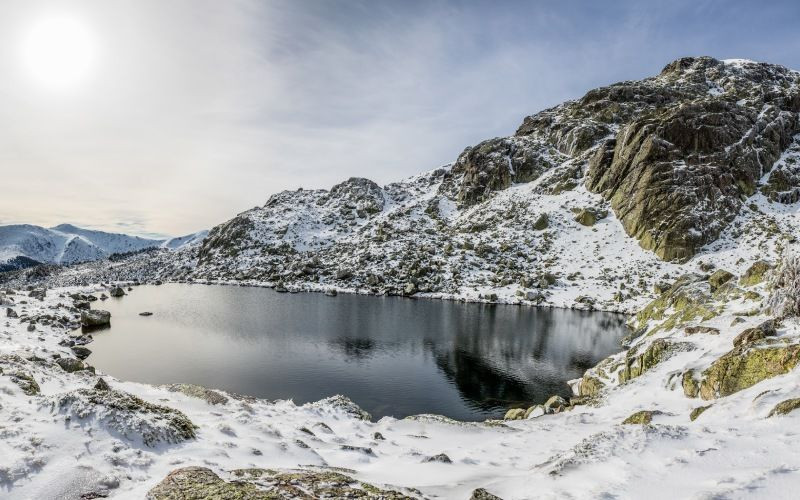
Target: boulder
x,y
515,414
755,274
95,318
691,387
643,417
556,404
541,223
117,292
590,386
10,313
693,330
81,352
535,412
589,216
746,366
70,365
719,278
752,335
102,385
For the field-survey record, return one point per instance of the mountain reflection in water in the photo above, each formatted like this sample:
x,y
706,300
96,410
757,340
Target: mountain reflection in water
x,y
391,355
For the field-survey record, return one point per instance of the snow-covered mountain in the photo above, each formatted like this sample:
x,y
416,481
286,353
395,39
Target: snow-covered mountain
x,y
597,202
25,245
189,240
593,201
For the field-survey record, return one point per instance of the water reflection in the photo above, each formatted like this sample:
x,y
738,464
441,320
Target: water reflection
x,y
393,356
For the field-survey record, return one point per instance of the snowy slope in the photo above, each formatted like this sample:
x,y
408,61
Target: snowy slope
x,y
68,244
64,445
185,241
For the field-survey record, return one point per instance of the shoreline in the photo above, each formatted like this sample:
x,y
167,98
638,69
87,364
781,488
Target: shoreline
x,y
563,450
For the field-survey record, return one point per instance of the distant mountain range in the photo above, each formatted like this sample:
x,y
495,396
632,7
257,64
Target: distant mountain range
x,y
25,245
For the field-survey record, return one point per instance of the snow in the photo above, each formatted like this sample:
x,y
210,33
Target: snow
x,y
68,244
730,451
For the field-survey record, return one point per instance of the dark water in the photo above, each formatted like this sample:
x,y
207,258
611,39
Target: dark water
x,y
391,355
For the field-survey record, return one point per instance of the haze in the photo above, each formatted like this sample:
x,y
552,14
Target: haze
x,y
156,117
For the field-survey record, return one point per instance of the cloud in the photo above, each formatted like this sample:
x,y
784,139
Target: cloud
x,y
199,109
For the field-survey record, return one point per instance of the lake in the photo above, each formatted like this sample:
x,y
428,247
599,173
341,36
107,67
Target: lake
x,y
391,355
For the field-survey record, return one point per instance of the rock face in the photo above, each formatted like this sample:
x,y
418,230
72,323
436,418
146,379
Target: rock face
x,y
703,133
495,164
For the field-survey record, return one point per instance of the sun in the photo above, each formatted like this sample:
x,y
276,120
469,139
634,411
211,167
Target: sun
x,y
58,51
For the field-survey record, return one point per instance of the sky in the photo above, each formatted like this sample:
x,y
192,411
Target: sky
x,y
164,117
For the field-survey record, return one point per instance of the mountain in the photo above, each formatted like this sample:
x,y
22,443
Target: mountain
x,y
185,241
27,245
605,194
597,202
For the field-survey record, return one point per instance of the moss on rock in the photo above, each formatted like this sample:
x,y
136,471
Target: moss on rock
x,y
691,387
719,278
696,412
202,483
746,366
515,414
590,386
641,417
785,407
656,352
686,300
265,484
755,274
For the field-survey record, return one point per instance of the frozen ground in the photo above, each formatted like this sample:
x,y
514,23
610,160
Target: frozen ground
x,y
53,449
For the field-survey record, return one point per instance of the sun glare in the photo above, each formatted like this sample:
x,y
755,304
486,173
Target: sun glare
x,y
58,51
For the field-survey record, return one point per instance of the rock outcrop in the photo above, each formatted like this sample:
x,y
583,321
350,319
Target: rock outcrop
x,y
264,484
95,318
747,365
